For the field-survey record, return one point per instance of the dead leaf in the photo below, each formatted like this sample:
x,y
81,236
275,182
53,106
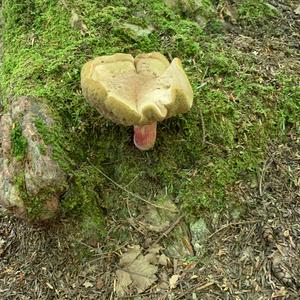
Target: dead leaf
x,y
155,248
123,281
131,254
163,260
87,284
151,258
173,281
137,270
297,10
99,283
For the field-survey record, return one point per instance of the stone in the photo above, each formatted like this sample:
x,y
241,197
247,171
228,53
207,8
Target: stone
x,y
31,181
199,233
138,31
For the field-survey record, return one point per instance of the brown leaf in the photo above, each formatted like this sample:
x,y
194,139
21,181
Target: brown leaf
x,y
173,281
123,281
142,273
155,249
132,253
137,270
163,260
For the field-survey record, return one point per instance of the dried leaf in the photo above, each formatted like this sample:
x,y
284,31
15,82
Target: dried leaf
x,y
87,284
173,281
155,248
123,281
137,270
163,260
151,258
142,273
132,253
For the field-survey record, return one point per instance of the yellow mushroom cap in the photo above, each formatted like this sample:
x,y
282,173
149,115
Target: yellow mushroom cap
x,y
136,91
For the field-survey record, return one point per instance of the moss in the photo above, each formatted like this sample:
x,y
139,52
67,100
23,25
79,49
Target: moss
x,y
196,165
34,205
255,12
42,149
19,142
54,137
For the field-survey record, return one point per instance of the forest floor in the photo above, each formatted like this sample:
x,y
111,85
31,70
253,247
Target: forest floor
x,y
251,250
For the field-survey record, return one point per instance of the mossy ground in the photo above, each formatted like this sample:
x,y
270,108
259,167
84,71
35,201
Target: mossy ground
x,y
199,156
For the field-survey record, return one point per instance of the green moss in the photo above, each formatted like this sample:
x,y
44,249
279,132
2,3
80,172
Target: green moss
x,y
256,12
34,205
19,142
54,137
42,149
199,156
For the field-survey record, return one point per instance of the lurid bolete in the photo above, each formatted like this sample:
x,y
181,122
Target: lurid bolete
x,y
137,91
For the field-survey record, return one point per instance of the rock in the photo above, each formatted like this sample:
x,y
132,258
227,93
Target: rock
x,y
31,181
138,31
199,233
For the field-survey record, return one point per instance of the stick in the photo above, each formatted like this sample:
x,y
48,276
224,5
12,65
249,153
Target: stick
x,y
197,287
231,224
262,176
168,230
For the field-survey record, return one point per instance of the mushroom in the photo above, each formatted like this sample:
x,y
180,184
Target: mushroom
x,y
137,91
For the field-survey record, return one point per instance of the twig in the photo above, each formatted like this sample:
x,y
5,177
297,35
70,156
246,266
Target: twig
x,y
133,194
231,224
205,73
197,287
132,180
262,176
168,230
139,295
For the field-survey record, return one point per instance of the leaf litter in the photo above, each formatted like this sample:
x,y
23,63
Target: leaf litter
x,y
137,271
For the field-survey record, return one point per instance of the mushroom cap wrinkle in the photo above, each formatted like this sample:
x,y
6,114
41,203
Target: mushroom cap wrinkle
x,y
136,91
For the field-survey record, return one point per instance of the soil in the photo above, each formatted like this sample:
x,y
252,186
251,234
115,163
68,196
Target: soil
x,y
254,256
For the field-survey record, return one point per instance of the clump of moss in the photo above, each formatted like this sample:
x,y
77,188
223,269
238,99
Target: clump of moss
x,y
54,137
34,206
255,12
19,142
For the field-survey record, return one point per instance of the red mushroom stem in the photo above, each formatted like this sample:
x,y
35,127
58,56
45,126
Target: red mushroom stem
x,y
145,136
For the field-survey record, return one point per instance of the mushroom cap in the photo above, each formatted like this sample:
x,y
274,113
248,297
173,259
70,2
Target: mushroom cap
x,y
136,91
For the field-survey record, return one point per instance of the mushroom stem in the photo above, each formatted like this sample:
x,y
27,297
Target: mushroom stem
x,y
145,136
